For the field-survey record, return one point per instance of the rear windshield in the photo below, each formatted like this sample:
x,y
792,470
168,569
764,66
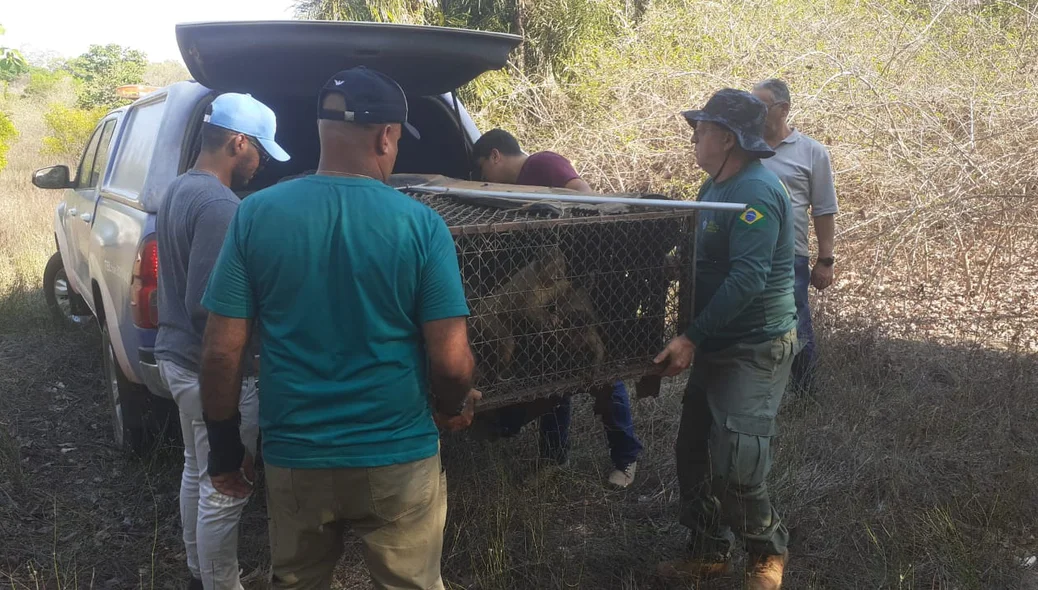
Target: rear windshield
x,y
442,149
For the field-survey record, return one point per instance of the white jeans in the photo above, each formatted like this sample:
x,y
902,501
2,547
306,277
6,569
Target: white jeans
x,y
209,518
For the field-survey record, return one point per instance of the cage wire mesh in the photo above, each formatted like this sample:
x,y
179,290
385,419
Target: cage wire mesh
x,y
561,304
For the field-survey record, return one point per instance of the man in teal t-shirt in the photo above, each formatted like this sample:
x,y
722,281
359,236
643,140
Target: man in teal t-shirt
x,y
742,336
357,295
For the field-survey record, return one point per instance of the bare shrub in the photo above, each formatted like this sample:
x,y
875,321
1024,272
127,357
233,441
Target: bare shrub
x,y
927,112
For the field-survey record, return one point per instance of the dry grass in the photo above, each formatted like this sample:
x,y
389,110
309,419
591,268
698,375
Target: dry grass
x,y
27,220
915,466
905,473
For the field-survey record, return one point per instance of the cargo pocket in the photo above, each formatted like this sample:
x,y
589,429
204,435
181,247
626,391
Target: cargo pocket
x,y
783,347
748,449
397,490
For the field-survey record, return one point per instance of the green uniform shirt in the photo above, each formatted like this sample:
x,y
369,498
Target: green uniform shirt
x,y
744,262
340,273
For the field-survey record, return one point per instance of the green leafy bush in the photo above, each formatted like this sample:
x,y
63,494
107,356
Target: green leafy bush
x,y
68,129
43,82
7,135
12,63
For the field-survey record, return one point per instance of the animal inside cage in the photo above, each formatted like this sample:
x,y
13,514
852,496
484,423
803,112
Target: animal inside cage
x,y
566,298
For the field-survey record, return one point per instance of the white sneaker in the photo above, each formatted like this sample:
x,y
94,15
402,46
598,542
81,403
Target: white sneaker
x,y
621,478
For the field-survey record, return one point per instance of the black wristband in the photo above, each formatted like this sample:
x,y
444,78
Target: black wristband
x,y
225,449
454,412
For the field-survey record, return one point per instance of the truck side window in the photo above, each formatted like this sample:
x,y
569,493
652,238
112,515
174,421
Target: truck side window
x,y
86,165
102,152
136,146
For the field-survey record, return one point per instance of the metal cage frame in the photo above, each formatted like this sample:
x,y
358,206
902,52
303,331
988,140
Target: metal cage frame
x,y
565,297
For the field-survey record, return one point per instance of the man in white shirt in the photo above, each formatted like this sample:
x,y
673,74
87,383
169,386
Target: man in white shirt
x,y
803,165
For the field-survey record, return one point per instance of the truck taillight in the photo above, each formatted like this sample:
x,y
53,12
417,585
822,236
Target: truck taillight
x,y
144,290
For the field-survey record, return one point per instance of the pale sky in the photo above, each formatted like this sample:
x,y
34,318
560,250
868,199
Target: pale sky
x,y
69,27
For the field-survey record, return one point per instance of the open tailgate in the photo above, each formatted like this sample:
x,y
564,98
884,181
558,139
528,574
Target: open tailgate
x,y
297,57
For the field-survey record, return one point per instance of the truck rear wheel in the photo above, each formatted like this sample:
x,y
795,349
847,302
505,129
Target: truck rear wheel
x,y
66,306
140,421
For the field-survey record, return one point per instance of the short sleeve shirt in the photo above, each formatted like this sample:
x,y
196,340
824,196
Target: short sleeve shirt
x,y
804,167
546,169
340,274
190,225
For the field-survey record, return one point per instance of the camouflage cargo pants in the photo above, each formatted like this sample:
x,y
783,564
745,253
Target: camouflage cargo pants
x,y
724,447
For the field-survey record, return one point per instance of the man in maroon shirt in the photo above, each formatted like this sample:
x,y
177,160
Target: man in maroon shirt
x,y
500,160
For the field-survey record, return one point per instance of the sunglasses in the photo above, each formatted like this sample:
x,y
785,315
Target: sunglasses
x,y
263,155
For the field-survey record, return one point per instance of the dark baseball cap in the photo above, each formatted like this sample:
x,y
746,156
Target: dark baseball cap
x,y
371,97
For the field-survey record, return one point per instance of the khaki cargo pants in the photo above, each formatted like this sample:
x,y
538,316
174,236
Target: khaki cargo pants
x,y
398,511
724,447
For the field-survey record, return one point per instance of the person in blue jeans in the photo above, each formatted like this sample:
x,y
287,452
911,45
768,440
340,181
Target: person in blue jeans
x,y
498,158
804,167
612,404
803,369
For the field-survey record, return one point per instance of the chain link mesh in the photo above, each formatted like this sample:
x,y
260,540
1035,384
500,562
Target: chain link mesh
x,y
560,304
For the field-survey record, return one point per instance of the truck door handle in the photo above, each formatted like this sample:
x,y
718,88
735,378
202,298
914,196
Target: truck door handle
x,y
72,212
86,217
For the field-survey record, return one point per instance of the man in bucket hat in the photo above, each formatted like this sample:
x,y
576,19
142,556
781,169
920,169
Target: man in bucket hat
x,y
742,336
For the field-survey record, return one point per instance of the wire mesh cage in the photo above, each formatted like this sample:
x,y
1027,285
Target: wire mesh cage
x,y
563,302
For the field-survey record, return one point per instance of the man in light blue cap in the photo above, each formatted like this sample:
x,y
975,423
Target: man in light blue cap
x,y
237,140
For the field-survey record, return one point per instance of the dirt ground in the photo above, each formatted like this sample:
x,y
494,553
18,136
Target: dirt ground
x,y
76,512
877,484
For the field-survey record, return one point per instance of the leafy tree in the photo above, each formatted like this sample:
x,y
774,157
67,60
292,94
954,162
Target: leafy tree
x,y
553,30
385,11
165,73
102,69
12,64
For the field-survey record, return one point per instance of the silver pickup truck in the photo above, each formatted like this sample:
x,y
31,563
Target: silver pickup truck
x,y
564,295
106,263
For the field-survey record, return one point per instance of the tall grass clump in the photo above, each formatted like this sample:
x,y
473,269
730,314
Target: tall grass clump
x,y
26,222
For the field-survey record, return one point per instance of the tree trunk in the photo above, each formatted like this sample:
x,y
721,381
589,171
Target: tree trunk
x,y
517,26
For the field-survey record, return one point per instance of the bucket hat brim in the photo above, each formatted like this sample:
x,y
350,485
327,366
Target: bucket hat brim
x,y
753,144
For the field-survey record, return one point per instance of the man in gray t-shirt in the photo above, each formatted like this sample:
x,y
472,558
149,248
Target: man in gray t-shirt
x,y
803,166
237,138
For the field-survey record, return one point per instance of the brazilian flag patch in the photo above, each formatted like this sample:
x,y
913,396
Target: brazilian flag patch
x,y
751,216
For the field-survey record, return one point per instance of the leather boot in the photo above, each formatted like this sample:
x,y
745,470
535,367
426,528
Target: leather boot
x,y
693,568
764,572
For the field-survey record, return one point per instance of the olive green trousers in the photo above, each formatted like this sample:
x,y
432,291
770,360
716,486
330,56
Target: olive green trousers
x,y
724,447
